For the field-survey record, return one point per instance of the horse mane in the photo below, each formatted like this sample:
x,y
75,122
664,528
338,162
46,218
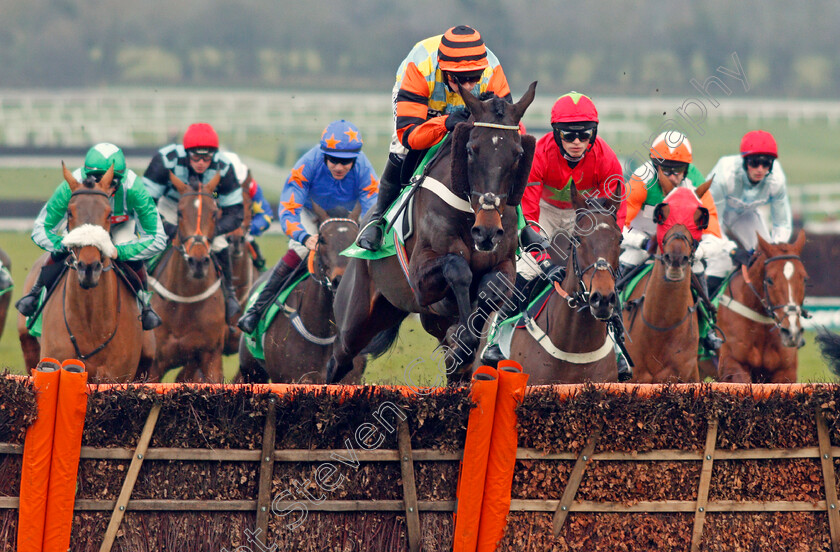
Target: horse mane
x,y
89,182
338,212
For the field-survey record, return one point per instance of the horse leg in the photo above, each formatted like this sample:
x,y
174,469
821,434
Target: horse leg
x,y
210,364
733,371
147,356
250,369
30,347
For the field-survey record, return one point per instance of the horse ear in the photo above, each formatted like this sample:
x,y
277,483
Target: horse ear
x,y
764,246
210,187
474,105
704,187
578,201
178,183
667,186
660,213
104,183
525,100
357,210
701,218
320,213
800,242
523,170
459,173
68,177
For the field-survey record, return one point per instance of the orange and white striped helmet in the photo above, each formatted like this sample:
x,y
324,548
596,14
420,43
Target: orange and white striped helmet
x,y
671,146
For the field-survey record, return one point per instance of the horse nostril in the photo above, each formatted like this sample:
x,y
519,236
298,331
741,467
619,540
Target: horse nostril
x,y
499,234
612,298
595,298
476,234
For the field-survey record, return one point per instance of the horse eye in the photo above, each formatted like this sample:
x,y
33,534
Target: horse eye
x,y
769,281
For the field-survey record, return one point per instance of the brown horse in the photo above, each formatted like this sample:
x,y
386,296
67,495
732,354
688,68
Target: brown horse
x,y
188,294
661,314
242,267
760,314
6,295
567,341
298,345
92,315
464,238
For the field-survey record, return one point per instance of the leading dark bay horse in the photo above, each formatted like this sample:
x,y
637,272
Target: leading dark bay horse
x,y
568,341
760,313
661,313
188,293
92,315
299,341
464,242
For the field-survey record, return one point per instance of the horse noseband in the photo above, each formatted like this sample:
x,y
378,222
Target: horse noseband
x,y
488,201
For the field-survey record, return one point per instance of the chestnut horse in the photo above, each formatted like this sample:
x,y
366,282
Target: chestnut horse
x,y
6,294
465,237
92,315
661,314
298,345
188,293
242,267
760,314
568,341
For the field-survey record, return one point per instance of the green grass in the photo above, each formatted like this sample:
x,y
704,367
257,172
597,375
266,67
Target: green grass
x,y
413,346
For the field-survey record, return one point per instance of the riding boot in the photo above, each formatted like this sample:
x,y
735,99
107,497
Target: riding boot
x,y
713,283
248,322
259,260
370,237
711,342
148,317
52,269
625,373
231,304
513,306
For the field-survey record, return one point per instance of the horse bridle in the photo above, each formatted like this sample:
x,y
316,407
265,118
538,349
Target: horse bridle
x,y
488,201
689,241
198,237
769,308
74,264
322,270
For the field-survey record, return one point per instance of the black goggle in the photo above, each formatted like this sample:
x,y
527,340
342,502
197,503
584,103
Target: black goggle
x,y
465,79
756,162
672,171
572,135
338,160
200,156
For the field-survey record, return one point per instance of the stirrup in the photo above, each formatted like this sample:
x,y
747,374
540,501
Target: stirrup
x,y
371,244
492,355
28,304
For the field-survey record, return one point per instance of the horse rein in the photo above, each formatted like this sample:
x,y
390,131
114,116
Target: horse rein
x,y
325,282
198,237
769,308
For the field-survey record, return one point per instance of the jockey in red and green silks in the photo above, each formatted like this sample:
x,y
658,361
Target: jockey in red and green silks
x,y
136,229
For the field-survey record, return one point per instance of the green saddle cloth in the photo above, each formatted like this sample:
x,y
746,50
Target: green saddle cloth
x,y
254,341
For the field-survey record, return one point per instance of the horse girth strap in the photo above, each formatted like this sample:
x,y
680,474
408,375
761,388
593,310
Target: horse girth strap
x,y
574,358
447,195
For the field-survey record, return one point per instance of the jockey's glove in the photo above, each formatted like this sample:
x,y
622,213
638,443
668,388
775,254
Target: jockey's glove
x,y
170,229
454,118
636,238
740,256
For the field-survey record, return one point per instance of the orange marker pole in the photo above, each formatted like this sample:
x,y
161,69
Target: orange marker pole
x,y
502,457
470,490
37,454
67,447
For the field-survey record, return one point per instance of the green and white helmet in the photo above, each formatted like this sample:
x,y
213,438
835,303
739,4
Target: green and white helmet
x,y
100,157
